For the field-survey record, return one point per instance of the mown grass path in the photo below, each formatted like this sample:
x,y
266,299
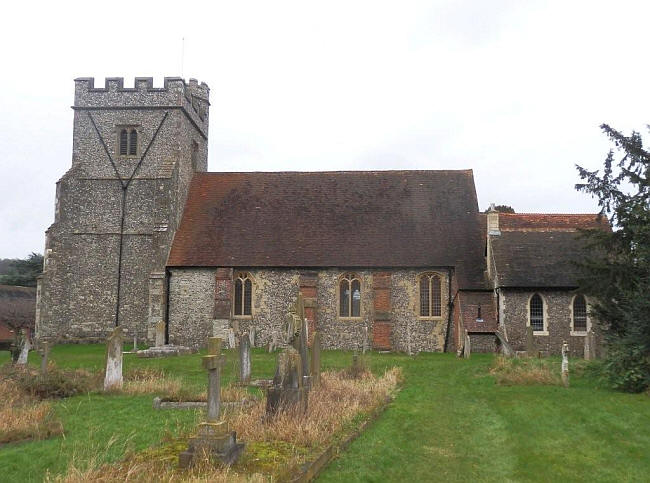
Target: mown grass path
x,y
450,422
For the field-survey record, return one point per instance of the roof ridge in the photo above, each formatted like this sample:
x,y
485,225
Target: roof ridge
x,y
466,171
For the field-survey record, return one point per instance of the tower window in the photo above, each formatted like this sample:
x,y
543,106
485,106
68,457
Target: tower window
x,y
128,141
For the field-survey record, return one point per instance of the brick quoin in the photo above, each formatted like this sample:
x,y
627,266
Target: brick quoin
x,y
381,327
309,292
222,293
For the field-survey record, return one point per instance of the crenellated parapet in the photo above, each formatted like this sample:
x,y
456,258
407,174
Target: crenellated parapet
x,y
191,96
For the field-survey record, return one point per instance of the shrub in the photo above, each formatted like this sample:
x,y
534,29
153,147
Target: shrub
x,y
54,384
628,367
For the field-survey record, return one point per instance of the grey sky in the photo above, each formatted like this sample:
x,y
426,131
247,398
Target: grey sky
x,y
514,90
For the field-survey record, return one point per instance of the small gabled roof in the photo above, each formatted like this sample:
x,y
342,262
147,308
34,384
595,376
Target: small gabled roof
x,y
333,219
541,250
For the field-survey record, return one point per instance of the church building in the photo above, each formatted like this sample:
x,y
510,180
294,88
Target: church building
x,y
143,234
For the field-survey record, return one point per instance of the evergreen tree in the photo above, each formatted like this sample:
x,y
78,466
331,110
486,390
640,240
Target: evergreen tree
x,y
618,272
23,272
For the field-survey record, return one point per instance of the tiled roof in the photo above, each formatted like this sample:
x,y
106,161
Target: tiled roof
x,y
540,250
550,222
469,309
340,219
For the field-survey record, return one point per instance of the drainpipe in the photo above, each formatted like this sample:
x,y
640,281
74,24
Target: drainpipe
x,y
168,276
449,311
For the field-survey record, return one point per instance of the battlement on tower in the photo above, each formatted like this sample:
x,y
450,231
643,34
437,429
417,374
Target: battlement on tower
x,y
191,96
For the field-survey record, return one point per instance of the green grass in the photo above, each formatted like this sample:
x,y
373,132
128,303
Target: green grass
x,y
449,422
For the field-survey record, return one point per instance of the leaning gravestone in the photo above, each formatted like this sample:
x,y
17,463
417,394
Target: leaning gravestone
x,y
244,360
213,438
113,379
467,350
506,349
590,346
315,360
24,351
565,364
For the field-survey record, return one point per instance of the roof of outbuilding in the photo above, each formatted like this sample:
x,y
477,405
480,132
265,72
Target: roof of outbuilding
x,y
341,219
541,250
17,305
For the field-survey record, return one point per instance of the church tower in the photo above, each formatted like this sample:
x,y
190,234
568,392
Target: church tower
x,y
117,208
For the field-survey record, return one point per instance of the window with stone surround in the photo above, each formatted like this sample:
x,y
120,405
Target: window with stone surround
x,y
579,313
536,313
243,295
127,141
430,295
349,296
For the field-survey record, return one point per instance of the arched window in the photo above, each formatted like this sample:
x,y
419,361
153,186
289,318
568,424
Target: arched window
x,y
536,313
579,314
349,296
243,302
430,295
124,142
133,142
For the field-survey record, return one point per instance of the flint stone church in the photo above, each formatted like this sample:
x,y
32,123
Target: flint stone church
x,y
142,233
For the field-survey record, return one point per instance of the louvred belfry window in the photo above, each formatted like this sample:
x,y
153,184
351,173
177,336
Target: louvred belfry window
x,y
430,295
349,296
124,142
133,142
537,313
580,314
243,302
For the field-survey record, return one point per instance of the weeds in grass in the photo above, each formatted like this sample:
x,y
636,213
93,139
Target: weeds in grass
x,y
54,384
524,372
274,445
24,417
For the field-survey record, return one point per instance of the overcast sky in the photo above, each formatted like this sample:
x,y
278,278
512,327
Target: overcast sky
x,y
514,90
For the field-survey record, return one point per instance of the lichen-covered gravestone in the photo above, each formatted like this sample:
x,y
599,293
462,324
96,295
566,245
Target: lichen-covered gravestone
x,y
530,342
113,378
213,438
24,351
590,346
287,391
244,360
565,364
44,352
467,349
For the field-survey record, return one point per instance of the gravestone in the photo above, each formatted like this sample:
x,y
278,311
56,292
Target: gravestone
x,y
590,346
315,360
213,438
365,345
44,352
251,336
244,360
530,342
467,349
231,338
304,355
160,333
287,391
273,343
135,344
113,378
565,364
24,351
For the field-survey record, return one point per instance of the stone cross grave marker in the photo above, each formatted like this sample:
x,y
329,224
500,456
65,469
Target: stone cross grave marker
x,y
113,379
565,364
315,360
160,333
45,352
213,438
24,351
287,391
244,360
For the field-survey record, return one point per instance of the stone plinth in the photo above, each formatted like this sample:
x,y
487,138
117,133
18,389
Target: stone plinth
x,y
212,440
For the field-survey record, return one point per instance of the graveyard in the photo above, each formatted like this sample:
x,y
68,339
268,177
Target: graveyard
x,y
447,418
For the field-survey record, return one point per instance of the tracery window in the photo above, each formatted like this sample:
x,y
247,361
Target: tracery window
x,y
243,297
430,295
579,314
128,141
536,313
349,295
